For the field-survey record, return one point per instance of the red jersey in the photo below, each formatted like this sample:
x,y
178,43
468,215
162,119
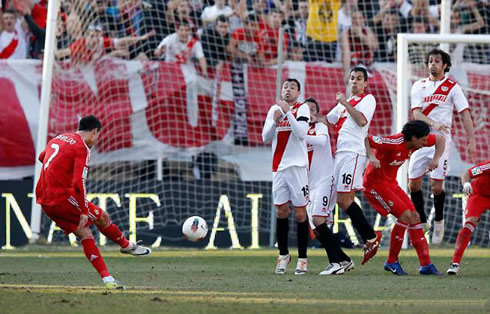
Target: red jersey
x,y
270,42
81,54
65,167
392,152
248,45
481,176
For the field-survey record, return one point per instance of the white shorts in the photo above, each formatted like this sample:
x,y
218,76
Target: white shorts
x,y
349,169
290,184
322,201
421,158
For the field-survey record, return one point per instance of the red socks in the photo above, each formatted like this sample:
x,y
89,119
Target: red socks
x,y
113,233
420,243
462,241
93,255
396,241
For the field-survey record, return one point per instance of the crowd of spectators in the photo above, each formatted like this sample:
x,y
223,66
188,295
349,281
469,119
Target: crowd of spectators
x,y
211,32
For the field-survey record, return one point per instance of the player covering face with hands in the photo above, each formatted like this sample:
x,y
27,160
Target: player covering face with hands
x,y
385,195
61,193
286,126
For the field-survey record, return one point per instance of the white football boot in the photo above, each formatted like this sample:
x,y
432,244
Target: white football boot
x,y
438,233
454,269
282,264
136,250
301,267
333,269
348,265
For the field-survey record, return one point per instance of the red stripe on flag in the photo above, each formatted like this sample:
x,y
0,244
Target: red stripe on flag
x,y
282,141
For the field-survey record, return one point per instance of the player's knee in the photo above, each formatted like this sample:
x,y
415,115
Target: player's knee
x,y
300,216
414,218
282,211
405,217
473,220
436,189
414,185
319,220
344,200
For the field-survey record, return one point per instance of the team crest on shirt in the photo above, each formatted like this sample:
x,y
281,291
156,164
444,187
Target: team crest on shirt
x,y
444,88
377,139
311,132
476,171
390,203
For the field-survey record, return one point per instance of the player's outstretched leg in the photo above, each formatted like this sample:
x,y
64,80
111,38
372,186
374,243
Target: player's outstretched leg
x,y
396,242
462,241
111,231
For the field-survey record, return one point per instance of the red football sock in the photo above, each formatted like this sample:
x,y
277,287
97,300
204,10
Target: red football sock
x,y
419,241
396,241
113,233
462,241
93,255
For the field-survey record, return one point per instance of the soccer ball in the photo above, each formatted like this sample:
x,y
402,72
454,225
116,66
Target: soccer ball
x,y
195,228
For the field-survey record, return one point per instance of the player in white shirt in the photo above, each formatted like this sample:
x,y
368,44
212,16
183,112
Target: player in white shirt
x,y
433,100
13,38
322,191
352,118
287,125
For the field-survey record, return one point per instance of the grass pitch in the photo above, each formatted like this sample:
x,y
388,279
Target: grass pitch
x,y
189,281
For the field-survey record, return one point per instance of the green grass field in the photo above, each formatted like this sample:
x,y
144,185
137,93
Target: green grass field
x,y
191,281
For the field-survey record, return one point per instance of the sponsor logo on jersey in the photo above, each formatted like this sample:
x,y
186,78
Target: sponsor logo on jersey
x,y
476,171
397,163
436,98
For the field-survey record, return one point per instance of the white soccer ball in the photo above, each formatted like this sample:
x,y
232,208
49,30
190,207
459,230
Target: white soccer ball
x,y
195,228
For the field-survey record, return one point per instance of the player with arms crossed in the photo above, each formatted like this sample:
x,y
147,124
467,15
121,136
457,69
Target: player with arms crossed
x,y
478,193
352,118
384,194
61,193
433,100
322,191
287,125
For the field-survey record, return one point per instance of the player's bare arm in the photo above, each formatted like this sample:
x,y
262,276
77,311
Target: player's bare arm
x,y
356,115
470,131
372,158
440,145
419,115
466,182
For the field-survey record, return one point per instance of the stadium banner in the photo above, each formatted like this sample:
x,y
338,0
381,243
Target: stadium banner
x,y
147,98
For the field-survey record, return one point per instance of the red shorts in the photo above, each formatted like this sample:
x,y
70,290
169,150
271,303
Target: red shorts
x,y
476,206
67,216
388,200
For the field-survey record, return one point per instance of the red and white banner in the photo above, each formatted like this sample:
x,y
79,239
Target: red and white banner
x,y
156,109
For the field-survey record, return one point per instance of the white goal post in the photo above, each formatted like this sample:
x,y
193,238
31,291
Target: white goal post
x,y
404,82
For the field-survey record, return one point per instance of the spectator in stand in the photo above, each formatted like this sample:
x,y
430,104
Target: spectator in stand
x,y
178,12
270,38
422,8
183,48
358,45
210,14
215,40
386,32
322,30
473,25
418,51
39,33
74,26
246,45
401,8
94,46
300,23
296,53
344,21
13,37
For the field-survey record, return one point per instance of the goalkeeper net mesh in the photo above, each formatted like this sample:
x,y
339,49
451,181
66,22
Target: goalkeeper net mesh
x,y
183,87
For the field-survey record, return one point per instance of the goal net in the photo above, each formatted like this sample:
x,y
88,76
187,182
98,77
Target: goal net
x,y
182,137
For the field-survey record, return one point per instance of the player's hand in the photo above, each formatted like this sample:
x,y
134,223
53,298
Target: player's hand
x,y
441,127
158,53
472,151
277,115
284,105
375,162
83,222
433,164
340,98
467,189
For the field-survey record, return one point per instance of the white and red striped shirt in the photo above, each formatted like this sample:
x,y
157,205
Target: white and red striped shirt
x,y
319,155
437,99
351,135
288,141
13,45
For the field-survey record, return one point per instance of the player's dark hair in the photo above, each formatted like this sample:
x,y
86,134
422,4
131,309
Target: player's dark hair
x,y
251,18
417,128
446,58
292,80
222,18
88,123
311,99
360,69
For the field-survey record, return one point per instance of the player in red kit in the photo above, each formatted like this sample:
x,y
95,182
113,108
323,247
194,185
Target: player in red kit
x,y
384,194
61,193
478,193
